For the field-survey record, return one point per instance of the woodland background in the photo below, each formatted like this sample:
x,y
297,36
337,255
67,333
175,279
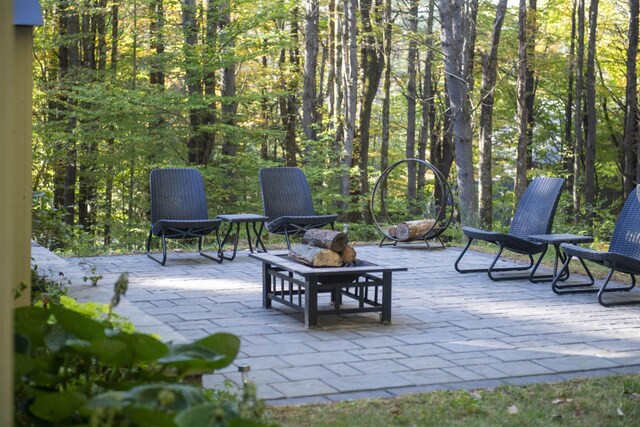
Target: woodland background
x,y
493,93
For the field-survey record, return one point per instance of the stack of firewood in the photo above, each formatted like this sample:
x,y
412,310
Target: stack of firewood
x,y
324,248
409,230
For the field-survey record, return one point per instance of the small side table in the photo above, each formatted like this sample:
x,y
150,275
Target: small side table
x,y
556,240
247,219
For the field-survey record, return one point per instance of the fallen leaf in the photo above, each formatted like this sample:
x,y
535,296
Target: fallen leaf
x,y
476,395
635,396
561,400
513,409
620,413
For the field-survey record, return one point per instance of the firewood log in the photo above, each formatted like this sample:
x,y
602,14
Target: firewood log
x,y
315,257
328,239
348,255
408,230
392,231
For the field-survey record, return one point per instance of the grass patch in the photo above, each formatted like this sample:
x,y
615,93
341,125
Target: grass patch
x,y
610,401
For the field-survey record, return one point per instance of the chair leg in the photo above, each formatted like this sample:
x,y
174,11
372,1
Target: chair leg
x,y
572,288
286,235
220,256
164,249
491,269
604,289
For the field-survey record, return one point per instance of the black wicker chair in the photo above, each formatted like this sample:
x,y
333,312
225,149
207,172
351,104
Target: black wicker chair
x,y
623,255
287,202
534,215
179,209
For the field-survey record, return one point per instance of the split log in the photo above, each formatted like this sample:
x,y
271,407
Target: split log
x,y
412,229
348,255
392,231
328,239
315,257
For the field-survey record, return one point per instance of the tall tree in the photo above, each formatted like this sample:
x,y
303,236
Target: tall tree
x,y
568,109
412,95
590,101
309,108
631,134
487,92
579,137
350,66
228,87
427,101
454,22
371,66
521,153
386,92
529,76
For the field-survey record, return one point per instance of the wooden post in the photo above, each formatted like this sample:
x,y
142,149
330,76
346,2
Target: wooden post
x,y
7,156
17,19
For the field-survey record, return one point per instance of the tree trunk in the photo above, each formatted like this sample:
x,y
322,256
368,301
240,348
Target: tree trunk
x,y
631,134
156,34
372,64
426,101
521,153
350,87
108,203
309,109
568,116
386,90
487,92
590,152
410,147
577,149
453,18
529,77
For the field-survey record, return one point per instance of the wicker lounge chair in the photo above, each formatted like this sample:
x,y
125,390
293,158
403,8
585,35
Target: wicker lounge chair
x,y
179,209
623,255
534,215
287,202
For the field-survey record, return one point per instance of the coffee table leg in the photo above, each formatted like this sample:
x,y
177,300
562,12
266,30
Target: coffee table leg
x,y
311,302
386,297
266,285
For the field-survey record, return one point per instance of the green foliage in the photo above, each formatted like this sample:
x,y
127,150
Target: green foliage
x,y
48,286
81,364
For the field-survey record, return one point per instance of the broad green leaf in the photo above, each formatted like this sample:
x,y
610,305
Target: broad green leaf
x,y
164,397
32,322
222,343
111,352
143,348
56,407
78,324
109,399
149,417
207,415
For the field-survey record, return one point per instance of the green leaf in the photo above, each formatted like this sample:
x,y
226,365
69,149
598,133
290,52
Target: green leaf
x,y
143,348
205,355
209,414
56,407
78,324
32,322
111,352
222,343
149,417
164,397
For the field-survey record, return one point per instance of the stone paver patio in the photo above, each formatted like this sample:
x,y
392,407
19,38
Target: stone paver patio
x,y
448,330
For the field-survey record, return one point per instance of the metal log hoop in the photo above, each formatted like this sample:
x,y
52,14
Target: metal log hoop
x,y
444,213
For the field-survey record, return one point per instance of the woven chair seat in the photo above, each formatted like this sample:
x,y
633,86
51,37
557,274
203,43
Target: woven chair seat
x,y
287,202
534,215
623,255
179,209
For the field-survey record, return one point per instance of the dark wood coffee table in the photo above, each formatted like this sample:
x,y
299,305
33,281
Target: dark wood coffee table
x,y
296,285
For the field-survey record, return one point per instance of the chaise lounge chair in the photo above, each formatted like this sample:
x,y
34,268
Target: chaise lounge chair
x,y
534,215
179,210
623,255
287,202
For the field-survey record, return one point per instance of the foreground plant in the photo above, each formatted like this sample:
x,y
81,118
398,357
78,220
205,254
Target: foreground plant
x,y
74,370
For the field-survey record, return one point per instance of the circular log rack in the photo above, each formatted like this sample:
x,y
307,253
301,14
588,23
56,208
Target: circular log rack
x,y
434,200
